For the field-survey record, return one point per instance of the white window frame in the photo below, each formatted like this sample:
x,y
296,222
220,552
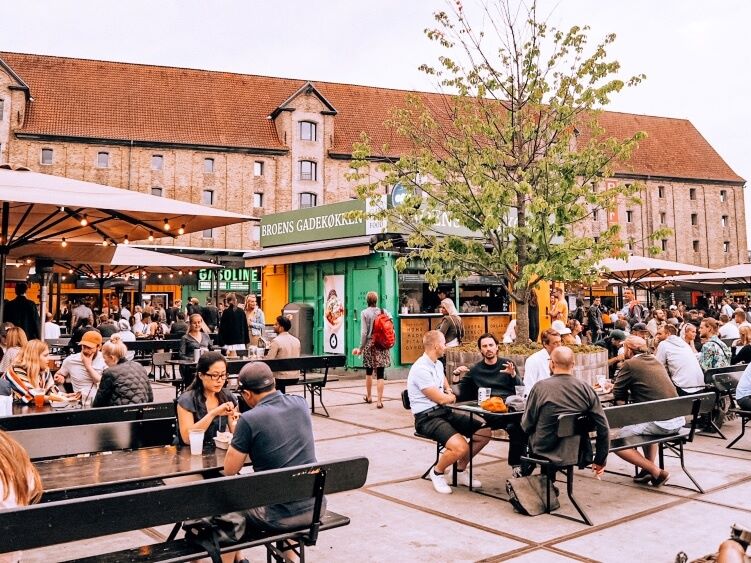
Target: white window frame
x,y
312,128
258,167
312,175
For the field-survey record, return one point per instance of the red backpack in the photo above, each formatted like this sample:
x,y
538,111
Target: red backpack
x,y
383,335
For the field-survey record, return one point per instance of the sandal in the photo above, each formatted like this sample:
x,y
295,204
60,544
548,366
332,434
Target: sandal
x,y
366,399
379,405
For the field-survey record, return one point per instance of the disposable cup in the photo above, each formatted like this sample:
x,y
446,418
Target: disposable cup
x,y
196,354
519,390
602,380
483,393
6,405
196,442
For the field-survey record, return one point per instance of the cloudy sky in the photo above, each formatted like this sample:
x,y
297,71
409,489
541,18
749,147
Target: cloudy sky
x,y
695,54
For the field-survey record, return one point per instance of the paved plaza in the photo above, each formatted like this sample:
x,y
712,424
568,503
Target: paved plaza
x,y
399,517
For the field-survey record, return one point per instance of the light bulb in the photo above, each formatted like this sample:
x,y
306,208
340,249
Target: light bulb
x,y
151,236
166,226
181,230
126,241
63,243
84,221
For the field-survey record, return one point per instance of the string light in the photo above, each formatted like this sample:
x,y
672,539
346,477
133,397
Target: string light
x,y
181,230
126,241
70,271
84,221
104,242
63,243
166,226
151,236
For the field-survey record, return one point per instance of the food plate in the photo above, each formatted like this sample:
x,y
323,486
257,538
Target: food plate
x,y
221,444
63,404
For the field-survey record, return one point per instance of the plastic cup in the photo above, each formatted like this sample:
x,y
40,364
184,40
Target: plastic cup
x,y
38,395
196,354
602,380
519,390
196,442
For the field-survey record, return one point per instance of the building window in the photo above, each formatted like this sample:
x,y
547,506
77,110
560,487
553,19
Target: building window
x,y
47,155
157,162
307,131
696,246
726,246
694,219
208,165
661,192
258,200
596,239
723,196
629,216
208,233
663,217
103,159
595,214
2,109
255,233
207,197
724,221
258,168
594,187
307,200
630,246
692,193
664,244
308,170
157,191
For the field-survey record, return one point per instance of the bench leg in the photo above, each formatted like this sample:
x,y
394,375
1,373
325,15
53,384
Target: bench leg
x,y
744,421
175,530
313,393
275,552
678,449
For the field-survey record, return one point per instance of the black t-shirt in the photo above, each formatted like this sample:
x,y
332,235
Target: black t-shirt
x,y
484,375
196,403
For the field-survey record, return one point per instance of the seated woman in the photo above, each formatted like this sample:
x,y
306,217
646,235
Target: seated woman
x,y
124,382
742,347
206,405
15,339
20,484
29,371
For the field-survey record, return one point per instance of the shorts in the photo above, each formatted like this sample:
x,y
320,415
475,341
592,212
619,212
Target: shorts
x,y
257,519
645,428
442,423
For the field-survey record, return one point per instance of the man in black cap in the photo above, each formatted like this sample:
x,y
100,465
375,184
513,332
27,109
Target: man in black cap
x,y
276,432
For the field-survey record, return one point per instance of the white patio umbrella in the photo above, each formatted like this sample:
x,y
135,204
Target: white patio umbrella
x,y
40,208
736,275
637,268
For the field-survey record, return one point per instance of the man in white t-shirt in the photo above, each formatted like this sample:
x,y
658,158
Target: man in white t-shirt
x,y
679,360
51,330
429,391
728,329
84,370
537,366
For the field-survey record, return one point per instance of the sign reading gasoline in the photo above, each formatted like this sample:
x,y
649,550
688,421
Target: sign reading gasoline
x,y
247,280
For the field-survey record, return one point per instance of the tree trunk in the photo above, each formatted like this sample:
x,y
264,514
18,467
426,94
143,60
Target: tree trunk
x,y
522,321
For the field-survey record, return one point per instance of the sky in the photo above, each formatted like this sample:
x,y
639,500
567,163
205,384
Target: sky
x,y
695,53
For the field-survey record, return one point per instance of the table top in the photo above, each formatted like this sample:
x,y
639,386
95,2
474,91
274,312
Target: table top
x,y
20,408
473,407
124,466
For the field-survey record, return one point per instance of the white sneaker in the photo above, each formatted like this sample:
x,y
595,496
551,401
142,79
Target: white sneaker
x,y
462,478
439,483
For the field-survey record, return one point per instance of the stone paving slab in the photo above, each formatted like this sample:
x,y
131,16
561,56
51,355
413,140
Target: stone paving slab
x,y
392,416
738,496
541,556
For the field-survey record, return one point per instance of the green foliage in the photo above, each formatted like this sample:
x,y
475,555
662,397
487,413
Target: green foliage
x,y
514,154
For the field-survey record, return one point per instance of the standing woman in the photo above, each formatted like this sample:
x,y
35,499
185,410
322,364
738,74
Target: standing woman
x,y
206,405
30,371
451,325
256,319
194,339
534,316
233,327
373,358
15,339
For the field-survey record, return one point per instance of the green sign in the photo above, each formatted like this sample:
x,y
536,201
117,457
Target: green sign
x,y
247,280
316,223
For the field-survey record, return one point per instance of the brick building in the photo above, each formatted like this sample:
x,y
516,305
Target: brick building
x,y
256,144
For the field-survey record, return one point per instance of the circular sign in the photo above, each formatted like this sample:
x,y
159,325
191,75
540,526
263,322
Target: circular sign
x,y
333,341
398,194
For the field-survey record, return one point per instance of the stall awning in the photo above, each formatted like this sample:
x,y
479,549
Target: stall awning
x,y
312,251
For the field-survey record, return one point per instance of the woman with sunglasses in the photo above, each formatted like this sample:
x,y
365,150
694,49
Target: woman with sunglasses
x,y
206,405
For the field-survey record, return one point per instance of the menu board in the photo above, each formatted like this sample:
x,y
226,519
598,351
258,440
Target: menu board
x,y
412,331
474,327
497,325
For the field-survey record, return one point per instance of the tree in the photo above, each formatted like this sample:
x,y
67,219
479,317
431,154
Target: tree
x,y
512,152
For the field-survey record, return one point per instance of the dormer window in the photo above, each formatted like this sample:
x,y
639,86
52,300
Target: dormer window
x,y
307,131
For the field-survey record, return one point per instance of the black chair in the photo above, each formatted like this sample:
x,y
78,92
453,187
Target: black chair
x,y
726,384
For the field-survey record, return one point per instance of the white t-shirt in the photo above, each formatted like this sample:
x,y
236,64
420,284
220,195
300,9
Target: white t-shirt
x,y
729,330
680,361
423,374
80,378
536,368
51,330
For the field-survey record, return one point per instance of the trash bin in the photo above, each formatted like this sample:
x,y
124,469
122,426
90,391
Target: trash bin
x,y
301,316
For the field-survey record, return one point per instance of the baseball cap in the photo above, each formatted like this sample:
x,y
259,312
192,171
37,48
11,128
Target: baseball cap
x,y
617,334
91,338
673,307
255,376
638,326
560,327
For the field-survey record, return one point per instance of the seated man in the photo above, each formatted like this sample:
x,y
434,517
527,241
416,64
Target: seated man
x,y
679,361
283,346
714,352
643,378
612,343
429,391
562,393
499,375
276,432
537,366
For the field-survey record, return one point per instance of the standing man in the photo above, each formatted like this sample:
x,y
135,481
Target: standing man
x,y
81,311
641,379
210,315
172,312
726,308
679,361
22,312
594,320
284,346
233,328
498,374
429,392
537,366
84,369
633,311
276,432
562,393
558,307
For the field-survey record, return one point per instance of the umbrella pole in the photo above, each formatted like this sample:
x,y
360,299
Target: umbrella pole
x,y
59,297
44,297
4,249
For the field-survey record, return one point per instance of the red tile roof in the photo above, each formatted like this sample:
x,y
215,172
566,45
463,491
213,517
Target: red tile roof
x,y
109,100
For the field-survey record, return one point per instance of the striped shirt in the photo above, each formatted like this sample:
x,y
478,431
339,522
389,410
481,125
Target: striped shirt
x,y
22,385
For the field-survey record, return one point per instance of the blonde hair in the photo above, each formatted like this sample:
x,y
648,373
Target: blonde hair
x,y
17,472
115,348
15,337
30,359
449,306
745,332
432,337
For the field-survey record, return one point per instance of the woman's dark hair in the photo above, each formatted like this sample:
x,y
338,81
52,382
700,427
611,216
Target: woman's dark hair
x,y
206,360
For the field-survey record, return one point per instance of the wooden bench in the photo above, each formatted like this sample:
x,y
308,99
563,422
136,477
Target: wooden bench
x,y
39,525
726,384
43,443
75,417
580,424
